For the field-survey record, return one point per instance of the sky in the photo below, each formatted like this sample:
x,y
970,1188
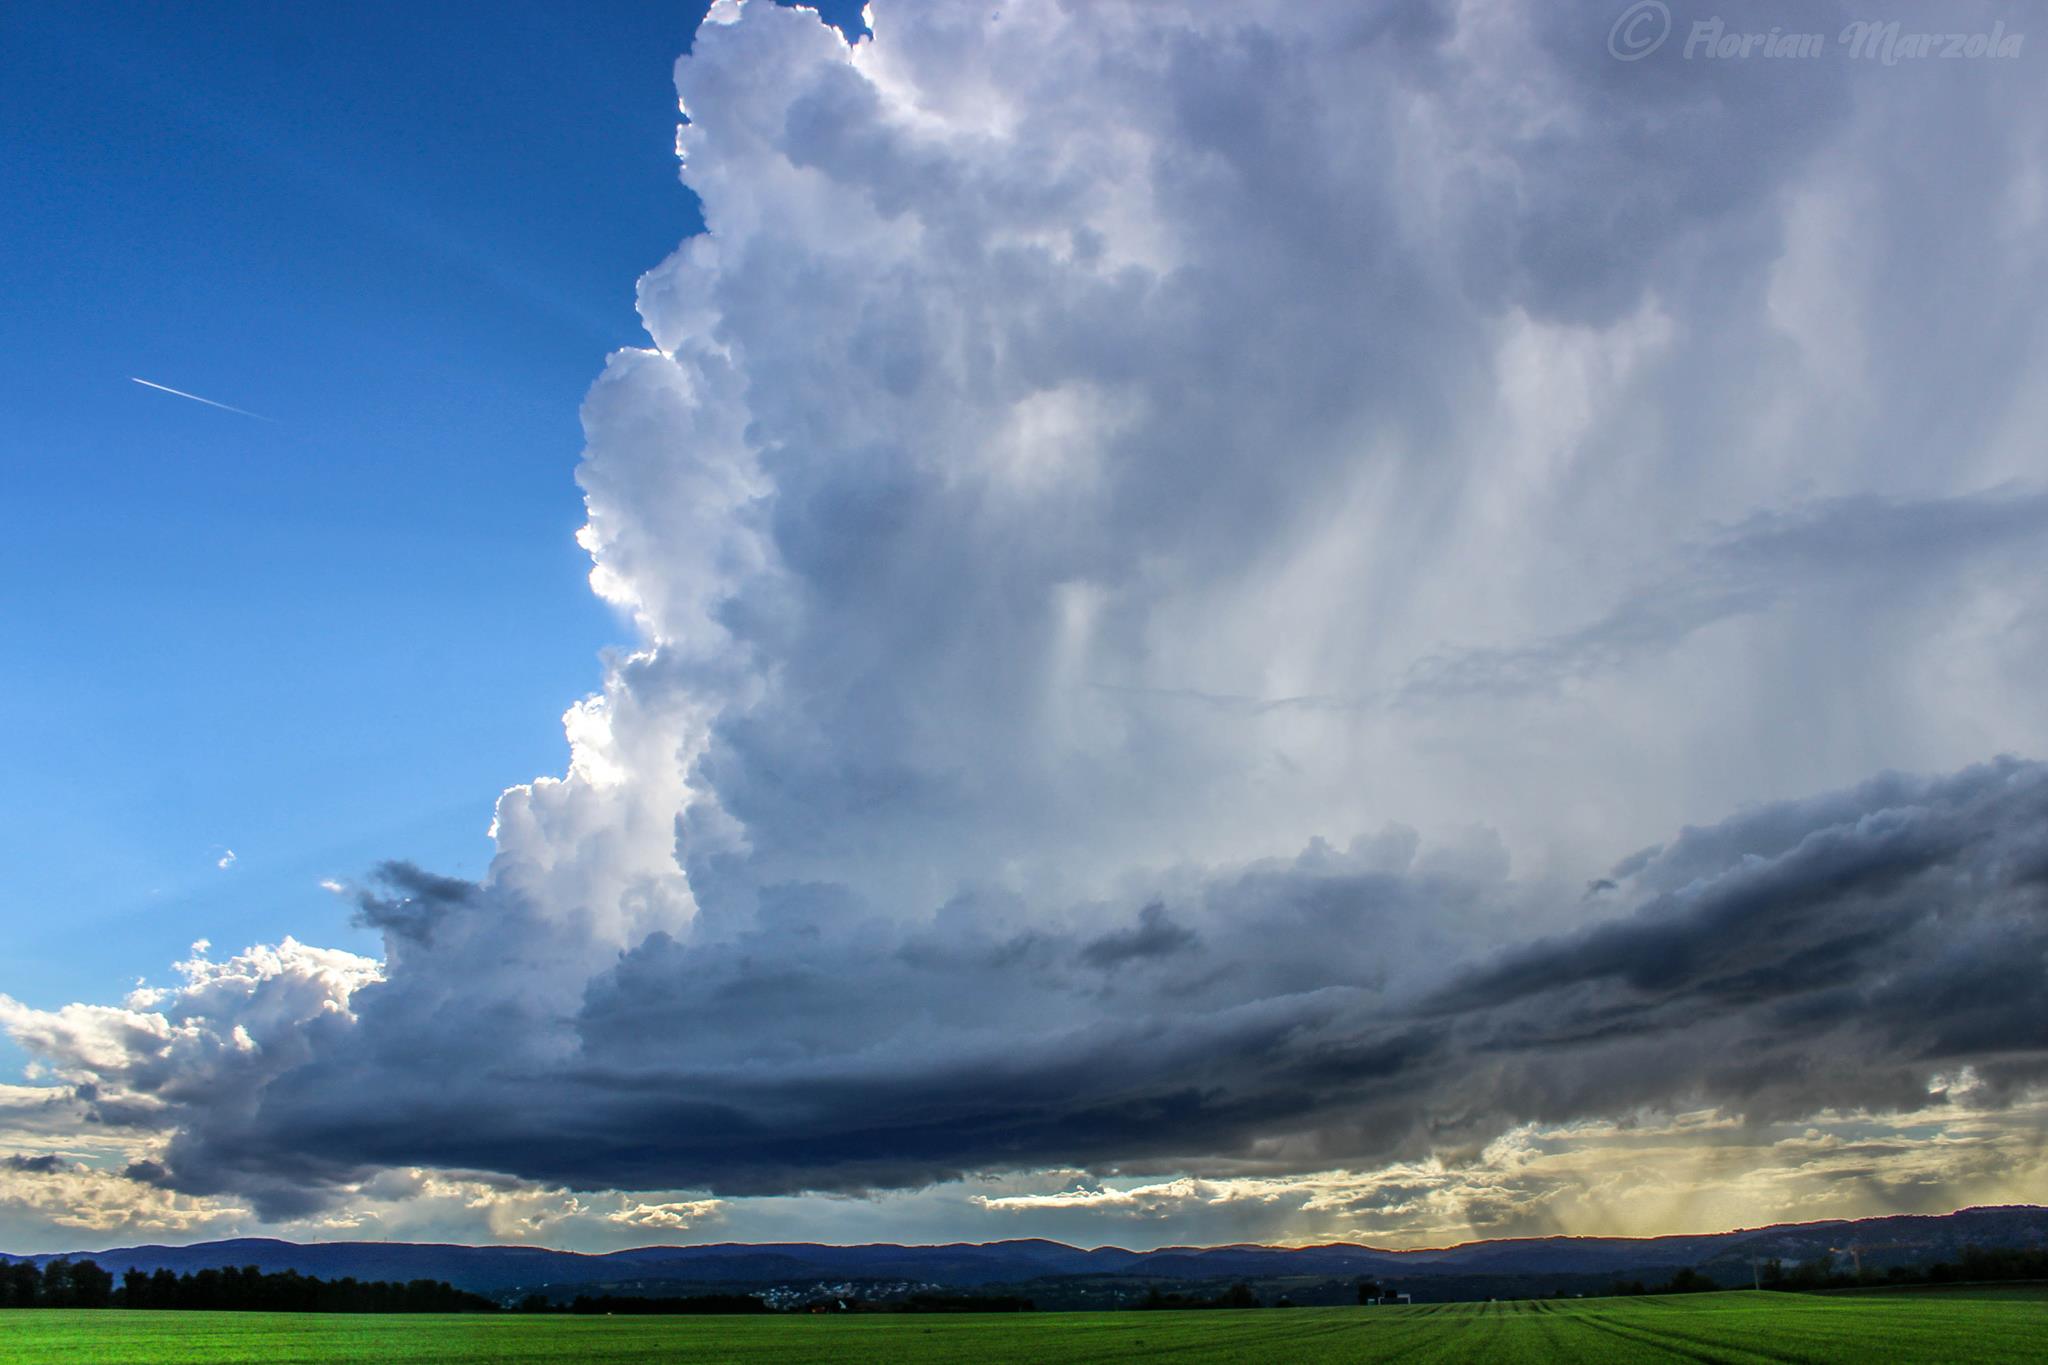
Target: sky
x,y
1169,624
321,639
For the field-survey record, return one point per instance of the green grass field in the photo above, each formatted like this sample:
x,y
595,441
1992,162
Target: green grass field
x,y
1956,1325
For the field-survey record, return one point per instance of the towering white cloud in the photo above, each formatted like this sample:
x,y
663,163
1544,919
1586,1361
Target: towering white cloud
x,y
1109,474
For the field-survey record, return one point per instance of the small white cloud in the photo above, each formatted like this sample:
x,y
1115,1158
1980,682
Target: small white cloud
x,y
675,1217
1956,1085
226,860
329,884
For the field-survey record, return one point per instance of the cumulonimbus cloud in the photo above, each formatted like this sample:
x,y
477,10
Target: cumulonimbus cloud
x,y
1057,392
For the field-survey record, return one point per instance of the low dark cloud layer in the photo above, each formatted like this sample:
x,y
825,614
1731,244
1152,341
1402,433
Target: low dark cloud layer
x,y
1843,952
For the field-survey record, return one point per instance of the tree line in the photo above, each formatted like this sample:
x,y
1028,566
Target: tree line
x,y
639,1304
1975,1264
1687,1281
1239,1295
84,1284
630,1304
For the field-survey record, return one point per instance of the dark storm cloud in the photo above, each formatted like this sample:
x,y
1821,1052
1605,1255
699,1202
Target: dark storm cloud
x,y
1154,935
1831,952
47,1164
1840,951
415,900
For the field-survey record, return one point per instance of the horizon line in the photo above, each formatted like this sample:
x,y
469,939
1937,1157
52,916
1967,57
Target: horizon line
x,y
1012,1241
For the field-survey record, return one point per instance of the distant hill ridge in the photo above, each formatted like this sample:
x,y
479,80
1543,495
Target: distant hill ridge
x,y
1897,1239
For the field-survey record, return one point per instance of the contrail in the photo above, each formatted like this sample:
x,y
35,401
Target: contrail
x,y
224,407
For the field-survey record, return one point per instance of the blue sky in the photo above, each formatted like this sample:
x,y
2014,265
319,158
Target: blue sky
x,y
406,235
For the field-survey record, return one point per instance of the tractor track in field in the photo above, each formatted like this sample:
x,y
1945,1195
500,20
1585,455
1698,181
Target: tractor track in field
x,y
1687,1346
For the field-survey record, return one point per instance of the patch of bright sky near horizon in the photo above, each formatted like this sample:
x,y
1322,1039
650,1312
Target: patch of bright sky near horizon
x,y
408,237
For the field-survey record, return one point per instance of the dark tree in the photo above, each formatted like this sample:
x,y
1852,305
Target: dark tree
x,y
1688,1281
56,1284
21,1286
91,1287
